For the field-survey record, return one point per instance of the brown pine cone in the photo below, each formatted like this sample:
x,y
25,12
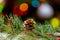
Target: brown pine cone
x,y
29,24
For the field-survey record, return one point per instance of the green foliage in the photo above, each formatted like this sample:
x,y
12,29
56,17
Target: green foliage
x,y
17,24
1,19
14,26
1,22
45,28
58,29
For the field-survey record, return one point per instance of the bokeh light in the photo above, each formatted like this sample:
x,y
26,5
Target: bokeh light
x,y
35,3
24,7
55,22
45,11
1,7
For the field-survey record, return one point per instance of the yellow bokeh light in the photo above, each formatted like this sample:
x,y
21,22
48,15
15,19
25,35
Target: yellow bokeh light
x,y
55,22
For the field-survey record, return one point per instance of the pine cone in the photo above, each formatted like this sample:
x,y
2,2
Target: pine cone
x,y
29,24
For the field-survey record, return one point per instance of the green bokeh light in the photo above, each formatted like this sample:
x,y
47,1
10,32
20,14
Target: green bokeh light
x,y
1,7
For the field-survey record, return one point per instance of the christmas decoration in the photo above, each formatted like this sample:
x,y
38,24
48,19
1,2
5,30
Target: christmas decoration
x,y
45,11
55,22
35,3
21,24
29,24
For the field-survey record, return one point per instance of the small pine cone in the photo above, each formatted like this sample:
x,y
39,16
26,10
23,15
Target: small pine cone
x,y
29,24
